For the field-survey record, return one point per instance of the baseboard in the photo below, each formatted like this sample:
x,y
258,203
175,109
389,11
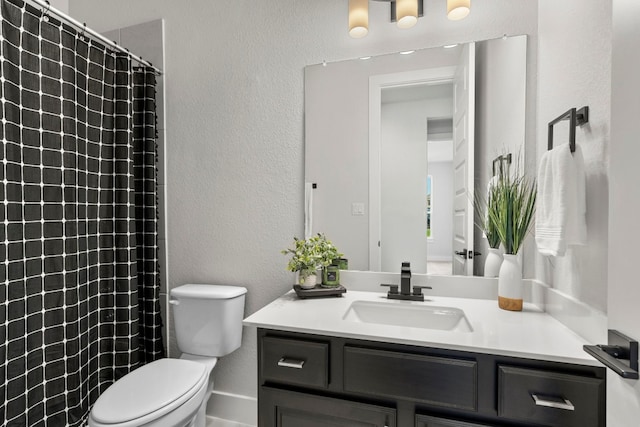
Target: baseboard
x,y
231,410
218,422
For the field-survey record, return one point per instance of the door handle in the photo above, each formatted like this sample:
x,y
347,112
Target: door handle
x,y
463,253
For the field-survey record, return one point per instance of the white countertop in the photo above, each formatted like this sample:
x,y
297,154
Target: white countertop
x,y
531,333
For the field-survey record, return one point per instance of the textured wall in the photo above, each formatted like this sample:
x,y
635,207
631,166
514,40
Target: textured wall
x,y
61,5
235,149
574,69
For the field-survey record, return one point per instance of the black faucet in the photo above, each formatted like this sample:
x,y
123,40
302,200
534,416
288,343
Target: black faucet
x,y
405,279
405,286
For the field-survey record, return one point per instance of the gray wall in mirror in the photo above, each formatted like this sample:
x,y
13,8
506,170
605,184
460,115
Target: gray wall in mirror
x,y
337,138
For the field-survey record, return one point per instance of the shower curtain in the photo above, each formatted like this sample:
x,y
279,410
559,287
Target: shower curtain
x,y
79,296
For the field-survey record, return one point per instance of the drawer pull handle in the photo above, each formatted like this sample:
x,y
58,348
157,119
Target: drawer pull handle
x,y
291,363
553,402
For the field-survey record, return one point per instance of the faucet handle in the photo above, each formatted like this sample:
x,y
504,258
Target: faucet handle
x,y
393,289
417,289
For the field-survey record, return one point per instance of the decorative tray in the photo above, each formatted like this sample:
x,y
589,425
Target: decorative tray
x,y
319,291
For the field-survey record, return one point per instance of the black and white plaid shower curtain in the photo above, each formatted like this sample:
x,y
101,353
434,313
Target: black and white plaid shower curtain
x,y
79,282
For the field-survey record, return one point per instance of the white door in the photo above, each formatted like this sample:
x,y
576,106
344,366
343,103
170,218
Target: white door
x,y
463,171
623,396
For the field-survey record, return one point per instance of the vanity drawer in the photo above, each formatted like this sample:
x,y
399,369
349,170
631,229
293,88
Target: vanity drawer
x,y
549,398
294,361
435,380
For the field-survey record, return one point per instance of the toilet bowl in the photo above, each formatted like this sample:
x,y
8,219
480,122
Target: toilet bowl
x,y
174,392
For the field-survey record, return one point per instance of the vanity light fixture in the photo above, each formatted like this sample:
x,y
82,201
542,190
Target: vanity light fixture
x,y
458,9
358,18
404,13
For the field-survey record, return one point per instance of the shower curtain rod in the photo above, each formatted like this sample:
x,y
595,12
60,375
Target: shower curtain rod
x,y
47,8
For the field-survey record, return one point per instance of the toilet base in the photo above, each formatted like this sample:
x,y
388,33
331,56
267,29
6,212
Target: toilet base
x,y
201,419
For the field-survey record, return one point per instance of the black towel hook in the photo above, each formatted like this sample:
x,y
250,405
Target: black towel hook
x,y
576,118
500,160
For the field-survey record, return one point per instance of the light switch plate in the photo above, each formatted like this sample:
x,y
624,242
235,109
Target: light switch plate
x,y
357,209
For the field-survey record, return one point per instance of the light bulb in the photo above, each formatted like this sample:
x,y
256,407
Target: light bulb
x,y
358,18
458,9
406,13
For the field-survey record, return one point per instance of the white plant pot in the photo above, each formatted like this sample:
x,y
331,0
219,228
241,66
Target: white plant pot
x,y
510,284
309,282
492,263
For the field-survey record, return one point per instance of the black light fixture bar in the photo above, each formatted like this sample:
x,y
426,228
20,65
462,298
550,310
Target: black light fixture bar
x,y
393,10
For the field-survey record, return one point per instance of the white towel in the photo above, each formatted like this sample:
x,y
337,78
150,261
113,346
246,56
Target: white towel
x,y
577,208
561,201
308,209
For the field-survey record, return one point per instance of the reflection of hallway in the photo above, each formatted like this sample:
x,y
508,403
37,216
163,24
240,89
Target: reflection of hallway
x,y
439,268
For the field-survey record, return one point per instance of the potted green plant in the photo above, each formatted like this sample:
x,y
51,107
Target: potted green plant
x,y
309,255
486,222
515,199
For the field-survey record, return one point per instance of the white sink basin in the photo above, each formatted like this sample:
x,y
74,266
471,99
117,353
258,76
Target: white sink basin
x,y
397,313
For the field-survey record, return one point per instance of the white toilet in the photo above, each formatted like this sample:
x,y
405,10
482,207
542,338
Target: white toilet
x,y
174,392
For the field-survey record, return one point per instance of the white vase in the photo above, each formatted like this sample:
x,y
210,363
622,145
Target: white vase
x,y
492,263
309,281
510,284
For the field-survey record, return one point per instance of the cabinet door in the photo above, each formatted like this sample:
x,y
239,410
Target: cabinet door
x,y
425,421
283,408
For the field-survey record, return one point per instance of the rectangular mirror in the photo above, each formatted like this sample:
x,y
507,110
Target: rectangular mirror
x,y
397,144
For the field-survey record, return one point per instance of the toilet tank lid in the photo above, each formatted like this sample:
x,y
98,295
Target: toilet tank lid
x,y
208,291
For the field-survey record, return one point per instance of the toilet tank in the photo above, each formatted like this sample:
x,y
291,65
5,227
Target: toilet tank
x,y
208,318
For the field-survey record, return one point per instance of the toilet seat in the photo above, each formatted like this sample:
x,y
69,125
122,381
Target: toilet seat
x,y
150,392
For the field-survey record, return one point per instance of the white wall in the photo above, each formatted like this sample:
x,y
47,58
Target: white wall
x,y
235,146
403,160
574,57
623,396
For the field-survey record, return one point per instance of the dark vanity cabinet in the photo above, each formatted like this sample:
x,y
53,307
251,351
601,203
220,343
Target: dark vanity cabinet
x,y
321,381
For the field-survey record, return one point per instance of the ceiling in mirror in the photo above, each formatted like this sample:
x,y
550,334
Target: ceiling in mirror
x,y
384,128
